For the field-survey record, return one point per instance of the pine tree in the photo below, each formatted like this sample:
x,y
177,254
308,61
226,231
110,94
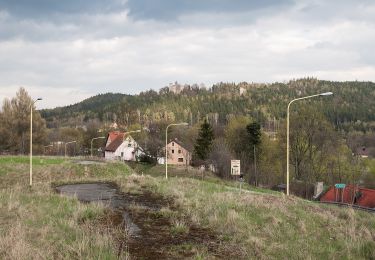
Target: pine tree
x,y
254,134
204,141
253,129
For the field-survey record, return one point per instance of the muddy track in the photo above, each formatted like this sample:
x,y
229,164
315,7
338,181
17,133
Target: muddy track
x,y
148,232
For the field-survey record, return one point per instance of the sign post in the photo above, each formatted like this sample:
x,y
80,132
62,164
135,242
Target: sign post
x,y
235,167
241,181
340,188
235,170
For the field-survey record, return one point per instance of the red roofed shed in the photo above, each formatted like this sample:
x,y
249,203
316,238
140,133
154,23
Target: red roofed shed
x,y
350,195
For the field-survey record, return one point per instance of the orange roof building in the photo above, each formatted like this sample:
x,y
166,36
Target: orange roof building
x,y
350,194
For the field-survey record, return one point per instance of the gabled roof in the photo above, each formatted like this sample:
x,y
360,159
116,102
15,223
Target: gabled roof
x,y
112,147
119,138
113,135
179,143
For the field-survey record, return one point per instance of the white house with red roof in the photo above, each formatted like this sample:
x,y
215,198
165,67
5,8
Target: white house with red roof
x,y
121,146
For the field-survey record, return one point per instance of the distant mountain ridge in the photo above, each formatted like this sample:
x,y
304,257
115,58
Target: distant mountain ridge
x,y
86,104
351,106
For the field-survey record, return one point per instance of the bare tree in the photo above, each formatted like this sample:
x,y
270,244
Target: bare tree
x,y
15,124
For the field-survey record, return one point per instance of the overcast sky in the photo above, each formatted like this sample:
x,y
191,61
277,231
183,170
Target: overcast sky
x,y
68,50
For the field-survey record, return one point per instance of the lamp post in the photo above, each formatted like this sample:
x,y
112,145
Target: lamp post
x,y
92,140
166,149
31,139
67,144
135,131
287,134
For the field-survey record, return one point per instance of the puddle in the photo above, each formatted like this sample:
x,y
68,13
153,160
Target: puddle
x,y
150,232
107,193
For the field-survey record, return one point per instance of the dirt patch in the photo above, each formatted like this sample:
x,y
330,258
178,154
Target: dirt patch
x,y
149,224
162,237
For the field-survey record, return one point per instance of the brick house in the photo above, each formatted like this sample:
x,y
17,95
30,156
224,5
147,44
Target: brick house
x,y
177,154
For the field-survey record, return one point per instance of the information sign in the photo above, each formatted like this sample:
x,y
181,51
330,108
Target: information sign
x,y
235,167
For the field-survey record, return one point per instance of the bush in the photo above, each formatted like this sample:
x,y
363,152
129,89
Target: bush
x,y
144,158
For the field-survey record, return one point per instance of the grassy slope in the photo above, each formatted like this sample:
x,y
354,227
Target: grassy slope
x,y
38,222
271,225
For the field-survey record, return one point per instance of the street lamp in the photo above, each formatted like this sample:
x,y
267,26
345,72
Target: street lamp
x,y
287,134
31,139
92,140
166,143
135,131
67,144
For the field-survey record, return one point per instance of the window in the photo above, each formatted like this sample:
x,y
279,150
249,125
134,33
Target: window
x,y
129,144
180,159
179,151
172,151
172,144
122,154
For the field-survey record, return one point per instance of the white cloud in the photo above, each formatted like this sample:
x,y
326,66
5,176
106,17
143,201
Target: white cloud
x,y
98,53
52,97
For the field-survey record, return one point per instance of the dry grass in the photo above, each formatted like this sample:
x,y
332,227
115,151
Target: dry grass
x,y
36,223
179,227
39,224
272,227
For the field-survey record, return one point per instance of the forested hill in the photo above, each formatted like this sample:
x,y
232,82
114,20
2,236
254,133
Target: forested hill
x,y
91,107
351,106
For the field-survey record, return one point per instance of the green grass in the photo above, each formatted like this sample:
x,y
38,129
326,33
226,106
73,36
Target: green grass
x,y
6,160
179,227
37,223
269,224
191,173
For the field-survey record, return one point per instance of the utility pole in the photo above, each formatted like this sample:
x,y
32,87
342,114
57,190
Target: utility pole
x,y
31,140
255,167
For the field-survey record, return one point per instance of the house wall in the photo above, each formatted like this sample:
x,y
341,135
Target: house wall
x,y
127,151
109,155
177,155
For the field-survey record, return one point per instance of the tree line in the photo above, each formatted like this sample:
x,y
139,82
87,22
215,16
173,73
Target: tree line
x,y
320,150
351,108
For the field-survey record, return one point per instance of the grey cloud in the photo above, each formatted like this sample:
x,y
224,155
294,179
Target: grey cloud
x,y
42,20
135,45
39,9
172,9
321,12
